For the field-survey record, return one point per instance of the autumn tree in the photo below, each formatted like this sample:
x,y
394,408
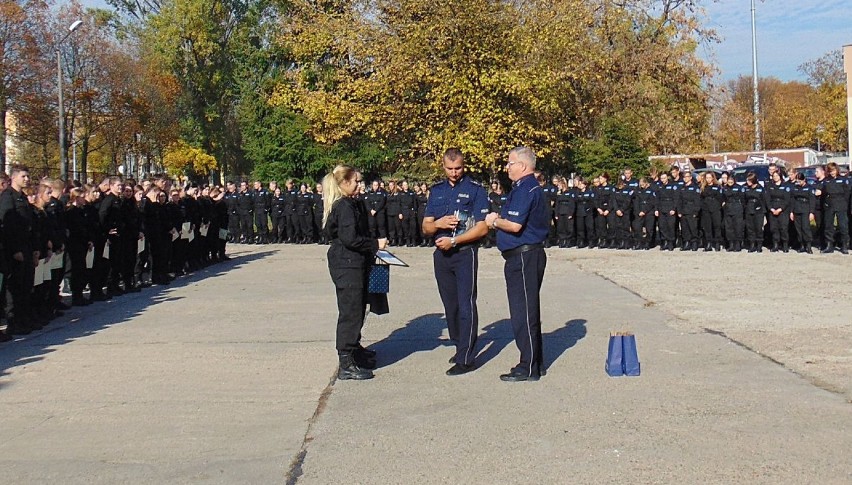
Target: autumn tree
x,y
828,99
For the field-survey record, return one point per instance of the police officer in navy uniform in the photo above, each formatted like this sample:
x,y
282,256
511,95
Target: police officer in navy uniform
x,y
262,206
835,190
523,228
779,212
376,217
803,204
689,207
756,202
245,206
644,208
733,196
455,216
585,214
667,197
231,198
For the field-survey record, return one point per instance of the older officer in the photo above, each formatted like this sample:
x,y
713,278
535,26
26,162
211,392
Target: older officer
x,y
522,228
455,215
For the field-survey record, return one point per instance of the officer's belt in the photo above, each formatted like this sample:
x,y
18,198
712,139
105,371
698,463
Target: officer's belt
x,y
521,249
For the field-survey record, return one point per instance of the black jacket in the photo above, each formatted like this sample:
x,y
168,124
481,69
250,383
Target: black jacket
x,y
351,247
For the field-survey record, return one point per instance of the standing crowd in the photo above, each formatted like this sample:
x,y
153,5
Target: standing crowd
x,y
105,240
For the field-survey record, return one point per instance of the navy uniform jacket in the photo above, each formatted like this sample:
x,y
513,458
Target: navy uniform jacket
x,y
803,199
603,197
586,202
231,202
375,201
566,203
407,203
279,205
835,193
261,201
689,200
711,198
303,204
622,200
467,197
497,201
631,184
667,197
245,202
779,196
756,200
526,206
734,198
644,201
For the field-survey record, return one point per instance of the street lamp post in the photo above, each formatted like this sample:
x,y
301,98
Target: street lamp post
x,y
63,161
757,143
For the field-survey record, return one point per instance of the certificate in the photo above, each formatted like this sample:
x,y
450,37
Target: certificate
x,y
140,245
90,258
388,258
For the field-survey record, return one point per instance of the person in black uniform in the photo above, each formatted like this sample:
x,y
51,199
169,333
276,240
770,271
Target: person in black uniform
x,y
261,206
304,200
231,199
455,217
644,210
803,204
46,228
734,206
667,200
245,208
622,208
393,208
496,199
350,254
79,243
585,214
113,225
604,220
422,194
779,212
711,212
756,202
408,211
523,227
566,207
819,235
317,211
129,238
279,221
376,216
835,191
550,190
55,208
689,206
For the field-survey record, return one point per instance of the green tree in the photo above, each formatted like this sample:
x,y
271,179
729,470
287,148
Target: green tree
x,y
617,147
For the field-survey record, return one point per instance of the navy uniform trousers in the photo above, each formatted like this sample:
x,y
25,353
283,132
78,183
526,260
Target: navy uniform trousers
x,y
455,273
524,274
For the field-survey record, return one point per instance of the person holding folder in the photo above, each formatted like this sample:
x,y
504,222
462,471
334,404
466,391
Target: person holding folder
x,y
350,255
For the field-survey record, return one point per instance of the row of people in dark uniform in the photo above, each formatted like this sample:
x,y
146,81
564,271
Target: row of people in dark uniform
x,y
106,240
676,210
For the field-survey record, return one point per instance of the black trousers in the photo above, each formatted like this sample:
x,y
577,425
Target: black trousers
x,y
409,227
643,228
234,225
667,226
779,227
306,228
601,229
802,223
291,222
377,225
689,228
128,258
734,225
585,229
394,227
711,226
622,227
565,227
455,273
261,223
279,227
754,228
524,273
20,285
842,226
247,225
351,287
79,273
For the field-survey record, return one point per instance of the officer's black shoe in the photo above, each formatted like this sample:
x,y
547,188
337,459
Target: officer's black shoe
x,y
809,249
774,248
460,369
349,370
519,376
695,246
685,247
364,361
844,249
759,247
828,249
785,248
365,351
708,248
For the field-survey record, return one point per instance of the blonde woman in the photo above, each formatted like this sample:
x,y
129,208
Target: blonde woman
x,y
350,254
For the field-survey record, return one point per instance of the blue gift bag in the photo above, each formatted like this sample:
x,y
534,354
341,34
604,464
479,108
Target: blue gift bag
x,y
631,357
379,281
614,357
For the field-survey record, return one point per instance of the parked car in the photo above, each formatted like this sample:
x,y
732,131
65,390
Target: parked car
x,y
759,169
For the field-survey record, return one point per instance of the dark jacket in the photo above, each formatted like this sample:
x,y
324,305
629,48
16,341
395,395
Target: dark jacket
x,y
351,247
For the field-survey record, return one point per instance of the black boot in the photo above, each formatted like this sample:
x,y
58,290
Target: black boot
x,y
785,247
349,370
844,248
808,248
774,248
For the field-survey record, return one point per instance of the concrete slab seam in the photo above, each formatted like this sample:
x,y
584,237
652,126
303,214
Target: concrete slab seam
x,y
295,469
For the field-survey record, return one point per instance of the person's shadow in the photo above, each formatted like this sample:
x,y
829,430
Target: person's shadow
x,y
498,335
421,334
557,342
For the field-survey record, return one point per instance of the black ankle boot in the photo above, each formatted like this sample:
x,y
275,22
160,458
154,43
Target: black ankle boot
x,y
349,369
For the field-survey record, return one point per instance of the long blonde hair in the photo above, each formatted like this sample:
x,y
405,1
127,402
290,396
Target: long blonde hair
x,y
331,192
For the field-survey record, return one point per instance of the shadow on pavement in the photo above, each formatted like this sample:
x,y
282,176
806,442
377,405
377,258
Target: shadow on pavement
x,y
80,322
421,334
498,335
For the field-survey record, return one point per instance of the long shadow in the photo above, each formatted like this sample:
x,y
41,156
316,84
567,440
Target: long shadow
x,y
421,334
80,322
560,340
494,338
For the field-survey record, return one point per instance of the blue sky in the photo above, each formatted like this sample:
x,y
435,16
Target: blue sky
x,y
789,33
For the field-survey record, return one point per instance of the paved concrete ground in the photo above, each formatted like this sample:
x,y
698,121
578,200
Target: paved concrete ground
x,y
228,379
